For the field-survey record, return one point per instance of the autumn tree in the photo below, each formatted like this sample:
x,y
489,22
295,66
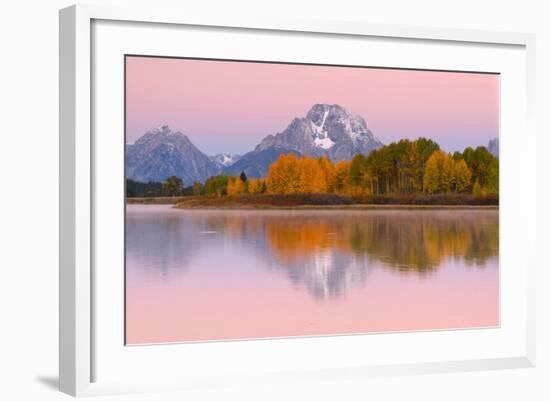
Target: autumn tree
x,y
478,161
283,176
431,175
235,186
401,167
256,186
425,148
196,189
312,179
376,171
444,174
357,170
216,185
438,174
462,176
329,173
290,174
492,176
341,176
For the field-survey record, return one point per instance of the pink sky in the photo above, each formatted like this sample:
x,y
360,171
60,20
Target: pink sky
x,y
227,106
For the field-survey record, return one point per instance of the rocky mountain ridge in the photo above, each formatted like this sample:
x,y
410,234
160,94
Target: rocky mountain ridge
x,y
326,130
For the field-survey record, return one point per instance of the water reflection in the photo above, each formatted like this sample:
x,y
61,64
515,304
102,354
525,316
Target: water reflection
x,y
159,241
324,252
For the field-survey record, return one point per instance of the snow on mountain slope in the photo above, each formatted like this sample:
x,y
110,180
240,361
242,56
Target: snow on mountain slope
x,y
326,130
225,159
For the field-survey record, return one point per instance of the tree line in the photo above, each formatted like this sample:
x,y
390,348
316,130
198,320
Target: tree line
x,y
173,186
403,167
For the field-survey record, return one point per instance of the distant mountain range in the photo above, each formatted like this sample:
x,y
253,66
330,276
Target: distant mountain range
x,y
326,130
161,153
492,147
225,159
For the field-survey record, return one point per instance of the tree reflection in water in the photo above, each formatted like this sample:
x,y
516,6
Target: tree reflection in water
x,y
328,251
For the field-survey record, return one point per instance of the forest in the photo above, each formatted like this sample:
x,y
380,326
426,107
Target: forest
x,y
400,168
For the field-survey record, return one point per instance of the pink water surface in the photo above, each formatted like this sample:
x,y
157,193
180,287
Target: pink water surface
x,y
215,275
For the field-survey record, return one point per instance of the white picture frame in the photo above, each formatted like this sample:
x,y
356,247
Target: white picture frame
x,y
83,158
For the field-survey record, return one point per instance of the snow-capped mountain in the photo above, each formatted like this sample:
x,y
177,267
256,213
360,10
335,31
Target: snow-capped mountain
x,y
225,159
326,130
161,153
492,147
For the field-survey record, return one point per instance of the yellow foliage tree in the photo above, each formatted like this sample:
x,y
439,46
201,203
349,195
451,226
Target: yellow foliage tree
x,y
371,182
235,186
341,176
255,185
283,176
446,179
443,174
312,179
329,173
289,174
438,172
462,176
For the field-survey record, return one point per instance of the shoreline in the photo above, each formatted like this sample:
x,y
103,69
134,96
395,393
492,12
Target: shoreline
x,y
313,203
340,207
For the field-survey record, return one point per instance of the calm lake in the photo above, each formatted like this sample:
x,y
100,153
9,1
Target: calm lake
x,y
196,275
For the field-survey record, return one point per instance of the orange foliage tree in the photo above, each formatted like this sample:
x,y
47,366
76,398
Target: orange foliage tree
x,y
256,185
443,174
284,175
404,167
235,186
290,174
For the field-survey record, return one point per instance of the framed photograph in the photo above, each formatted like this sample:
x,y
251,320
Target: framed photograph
x,y
274,200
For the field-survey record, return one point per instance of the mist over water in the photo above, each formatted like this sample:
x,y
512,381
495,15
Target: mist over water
x,y
229,274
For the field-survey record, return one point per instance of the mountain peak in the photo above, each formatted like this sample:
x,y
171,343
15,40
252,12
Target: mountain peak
x,y
165,130
164,134
325,106
327,130
320,111
492,147
161,130
161,152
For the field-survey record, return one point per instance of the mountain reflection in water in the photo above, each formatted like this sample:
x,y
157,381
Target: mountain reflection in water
x,y
322,251
222,274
